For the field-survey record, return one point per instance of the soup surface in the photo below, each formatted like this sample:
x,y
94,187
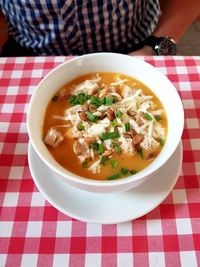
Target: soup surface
x,y
104,126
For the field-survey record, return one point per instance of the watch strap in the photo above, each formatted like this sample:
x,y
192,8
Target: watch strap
x,y
153,41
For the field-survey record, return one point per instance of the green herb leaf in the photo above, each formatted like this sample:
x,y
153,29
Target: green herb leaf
x,y
133,171
100,149
124,171
162,141
111,135
92,117
127,126
158,117
117,148
139,151
82,98
81,127
148,117
72,100
96,101
79,99
114,163
95,146
85,164
118,114
104,160
113,177
114,123
54,98
108,101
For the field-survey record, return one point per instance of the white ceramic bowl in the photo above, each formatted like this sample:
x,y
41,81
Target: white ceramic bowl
x,y
105,62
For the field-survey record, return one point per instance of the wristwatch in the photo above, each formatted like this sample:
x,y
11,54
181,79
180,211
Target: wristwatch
x,y
162,45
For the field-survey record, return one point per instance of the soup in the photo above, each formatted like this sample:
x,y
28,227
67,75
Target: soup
x,y
105,126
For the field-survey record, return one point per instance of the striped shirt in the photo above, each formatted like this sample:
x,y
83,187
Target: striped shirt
x,y
64,27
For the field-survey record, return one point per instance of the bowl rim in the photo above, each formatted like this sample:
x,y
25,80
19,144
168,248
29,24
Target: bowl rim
x,y
87,181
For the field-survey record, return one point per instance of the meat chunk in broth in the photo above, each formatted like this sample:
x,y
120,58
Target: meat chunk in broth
x,y
53,137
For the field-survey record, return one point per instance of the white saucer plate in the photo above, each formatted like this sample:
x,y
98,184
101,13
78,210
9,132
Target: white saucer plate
x,y
105,208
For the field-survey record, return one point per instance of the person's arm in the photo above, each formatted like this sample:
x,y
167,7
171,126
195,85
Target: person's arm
x,y
176,17
3,30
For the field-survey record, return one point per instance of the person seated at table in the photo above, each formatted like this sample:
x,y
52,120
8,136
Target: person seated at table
x,y
76,27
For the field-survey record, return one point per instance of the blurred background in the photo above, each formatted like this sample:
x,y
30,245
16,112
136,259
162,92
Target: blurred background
x,y
190,43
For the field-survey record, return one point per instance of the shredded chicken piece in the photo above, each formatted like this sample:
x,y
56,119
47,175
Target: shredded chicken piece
x,y
95,167
98,129
58,117
88,86
158,131
126,91
157,112
126,145
149,147
62,93
116,95
82,150
53,137
119,82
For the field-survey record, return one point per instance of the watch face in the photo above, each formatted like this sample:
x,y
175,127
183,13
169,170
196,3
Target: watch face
x,y
166,47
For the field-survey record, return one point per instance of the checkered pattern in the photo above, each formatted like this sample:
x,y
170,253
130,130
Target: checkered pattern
x,y
33,233
65,27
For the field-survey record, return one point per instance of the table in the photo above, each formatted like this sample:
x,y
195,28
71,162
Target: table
x,y
33,233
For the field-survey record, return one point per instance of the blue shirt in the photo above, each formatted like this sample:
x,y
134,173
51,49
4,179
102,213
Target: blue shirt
x,y
59,27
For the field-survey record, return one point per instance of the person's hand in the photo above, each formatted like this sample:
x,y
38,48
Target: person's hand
x,y
146,50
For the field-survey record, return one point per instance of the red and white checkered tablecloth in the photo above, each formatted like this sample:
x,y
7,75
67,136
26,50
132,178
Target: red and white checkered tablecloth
x,y
33,233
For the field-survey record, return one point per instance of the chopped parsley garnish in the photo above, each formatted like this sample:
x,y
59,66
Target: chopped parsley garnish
x,y
117,148
104,160
81,127
54,98
162,141
85,164
100,149
92,117
96,101
95,146
139,151
111,135
133,171
79,99
114,176
114,163
108,101
158,117
118,114
114,123
127,126
148,117
124,171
